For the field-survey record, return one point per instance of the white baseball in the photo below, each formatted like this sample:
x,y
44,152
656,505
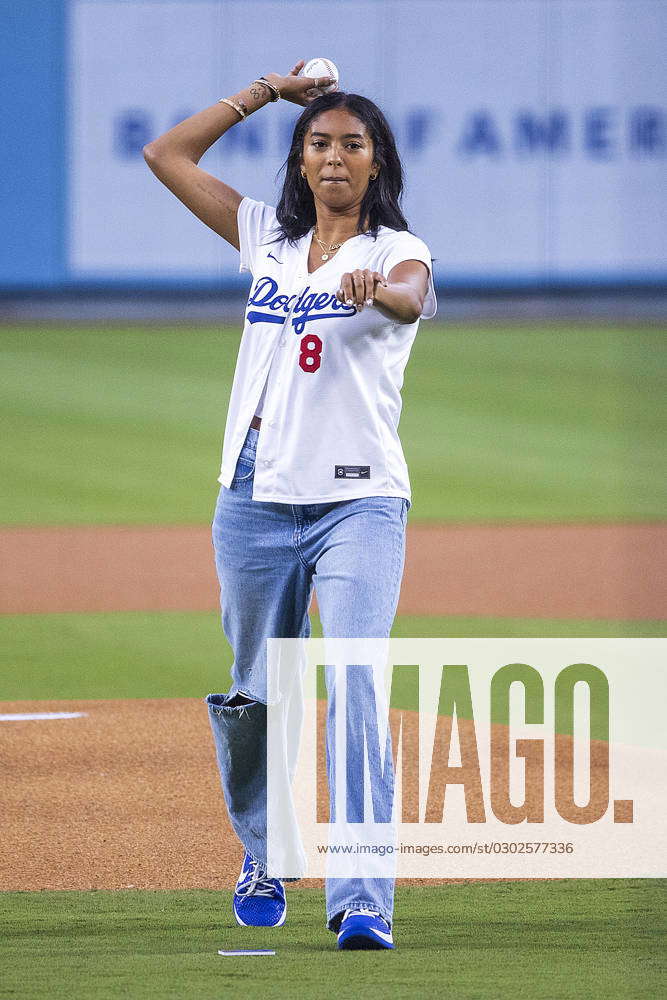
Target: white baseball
x,y
321,67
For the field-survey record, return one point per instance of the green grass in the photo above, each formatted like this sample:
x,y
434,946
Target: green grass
x,y
124,425
564,940
185,655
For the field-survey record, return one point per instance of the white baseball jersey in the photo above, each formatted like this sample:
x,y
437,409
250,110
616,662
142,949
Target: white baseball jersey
x,y
326,378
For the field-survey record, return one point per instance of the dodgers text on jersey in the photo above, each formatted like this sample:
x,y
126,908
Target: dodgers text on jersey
x,y
265,305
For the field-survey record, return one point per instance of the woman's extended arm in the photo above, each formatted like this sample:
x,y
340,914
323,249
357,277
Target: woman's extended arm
x,y
400,296
174,156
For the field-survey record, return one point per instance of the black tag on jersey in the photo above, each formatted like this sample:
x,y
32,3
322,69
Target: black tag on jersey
x,y
352,472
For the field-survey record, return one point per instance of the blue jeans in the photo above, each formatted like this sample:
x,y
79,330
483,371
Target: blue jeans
x,y
268,558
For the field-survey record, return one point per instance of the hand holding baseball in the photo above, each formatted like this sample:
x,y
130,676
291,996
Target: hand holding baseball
x,y
302,90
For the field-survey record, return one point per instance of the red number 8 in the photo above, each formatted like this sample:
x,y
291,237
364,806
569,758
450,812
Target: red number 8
x,y
310,356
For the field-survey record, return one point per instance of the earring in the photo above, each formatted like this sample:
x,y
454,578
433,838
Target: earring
x,y
373,176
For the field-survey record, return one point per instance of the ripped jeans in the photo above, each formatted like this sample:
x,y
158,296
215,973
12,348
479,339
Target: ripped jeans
x,y
268,558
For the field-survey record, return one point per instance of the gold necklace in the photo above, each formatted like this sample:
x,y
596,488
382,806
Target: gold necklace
x,y
327,249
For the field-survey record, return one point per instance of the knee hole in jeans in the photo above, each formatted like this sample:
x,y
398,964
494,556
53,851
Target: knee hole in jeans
x,y
239,700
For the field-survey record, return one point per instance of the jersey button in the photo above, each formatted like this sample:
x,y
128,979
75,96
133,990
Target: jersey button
x,y
272,423
268,462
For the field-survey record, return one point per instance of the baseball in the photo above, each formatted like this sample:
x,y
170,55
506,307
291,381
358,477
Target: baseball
x,y
321,67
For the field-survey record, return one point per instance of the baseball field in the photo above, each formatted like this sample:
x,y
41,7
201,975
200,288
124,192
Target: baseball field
x,y
538,467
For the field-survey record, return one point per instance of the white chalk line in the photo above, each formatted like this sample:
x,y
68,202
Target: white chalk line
x,y
39,716
244,953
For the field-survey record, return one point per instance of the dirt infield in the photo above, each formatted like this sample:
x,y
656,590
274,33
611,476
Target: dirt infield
x,y
127,796
514,570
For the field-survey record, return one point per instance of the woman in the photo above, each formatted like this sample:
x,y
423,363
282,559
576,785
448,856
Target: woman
x,y
314,486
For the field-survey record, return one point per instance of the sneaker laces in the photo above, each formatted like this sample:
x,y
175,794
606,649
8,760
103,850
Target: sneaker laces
x,y
255,882
362,910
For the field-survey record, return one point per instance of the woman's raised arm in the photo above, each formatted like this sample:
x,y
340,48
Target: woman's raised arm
x,y
174,156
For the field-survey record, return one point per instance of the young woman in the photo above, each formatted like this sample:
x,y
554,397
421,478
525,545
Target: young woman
x,y
314,486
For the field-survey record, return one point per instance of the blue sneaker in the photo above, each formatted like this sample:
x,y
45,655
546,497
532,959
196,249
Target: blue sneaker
x,y
364,929
258,901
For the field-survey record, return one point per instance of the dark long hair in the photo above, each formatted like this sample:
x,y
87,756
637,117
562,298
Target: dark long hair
x,y
381,203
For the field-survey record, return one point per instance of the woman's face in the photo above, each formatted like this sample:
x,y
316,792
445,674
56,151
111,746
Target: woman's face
x,y
337,159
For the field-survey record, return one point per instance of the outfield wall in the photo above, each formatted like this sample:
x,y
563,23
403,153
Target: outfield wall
x,y
534,132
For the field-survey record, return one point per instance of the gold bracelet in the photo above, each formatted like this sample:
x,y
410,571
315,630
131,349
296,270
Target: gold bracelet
x,y
273,90
239,108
